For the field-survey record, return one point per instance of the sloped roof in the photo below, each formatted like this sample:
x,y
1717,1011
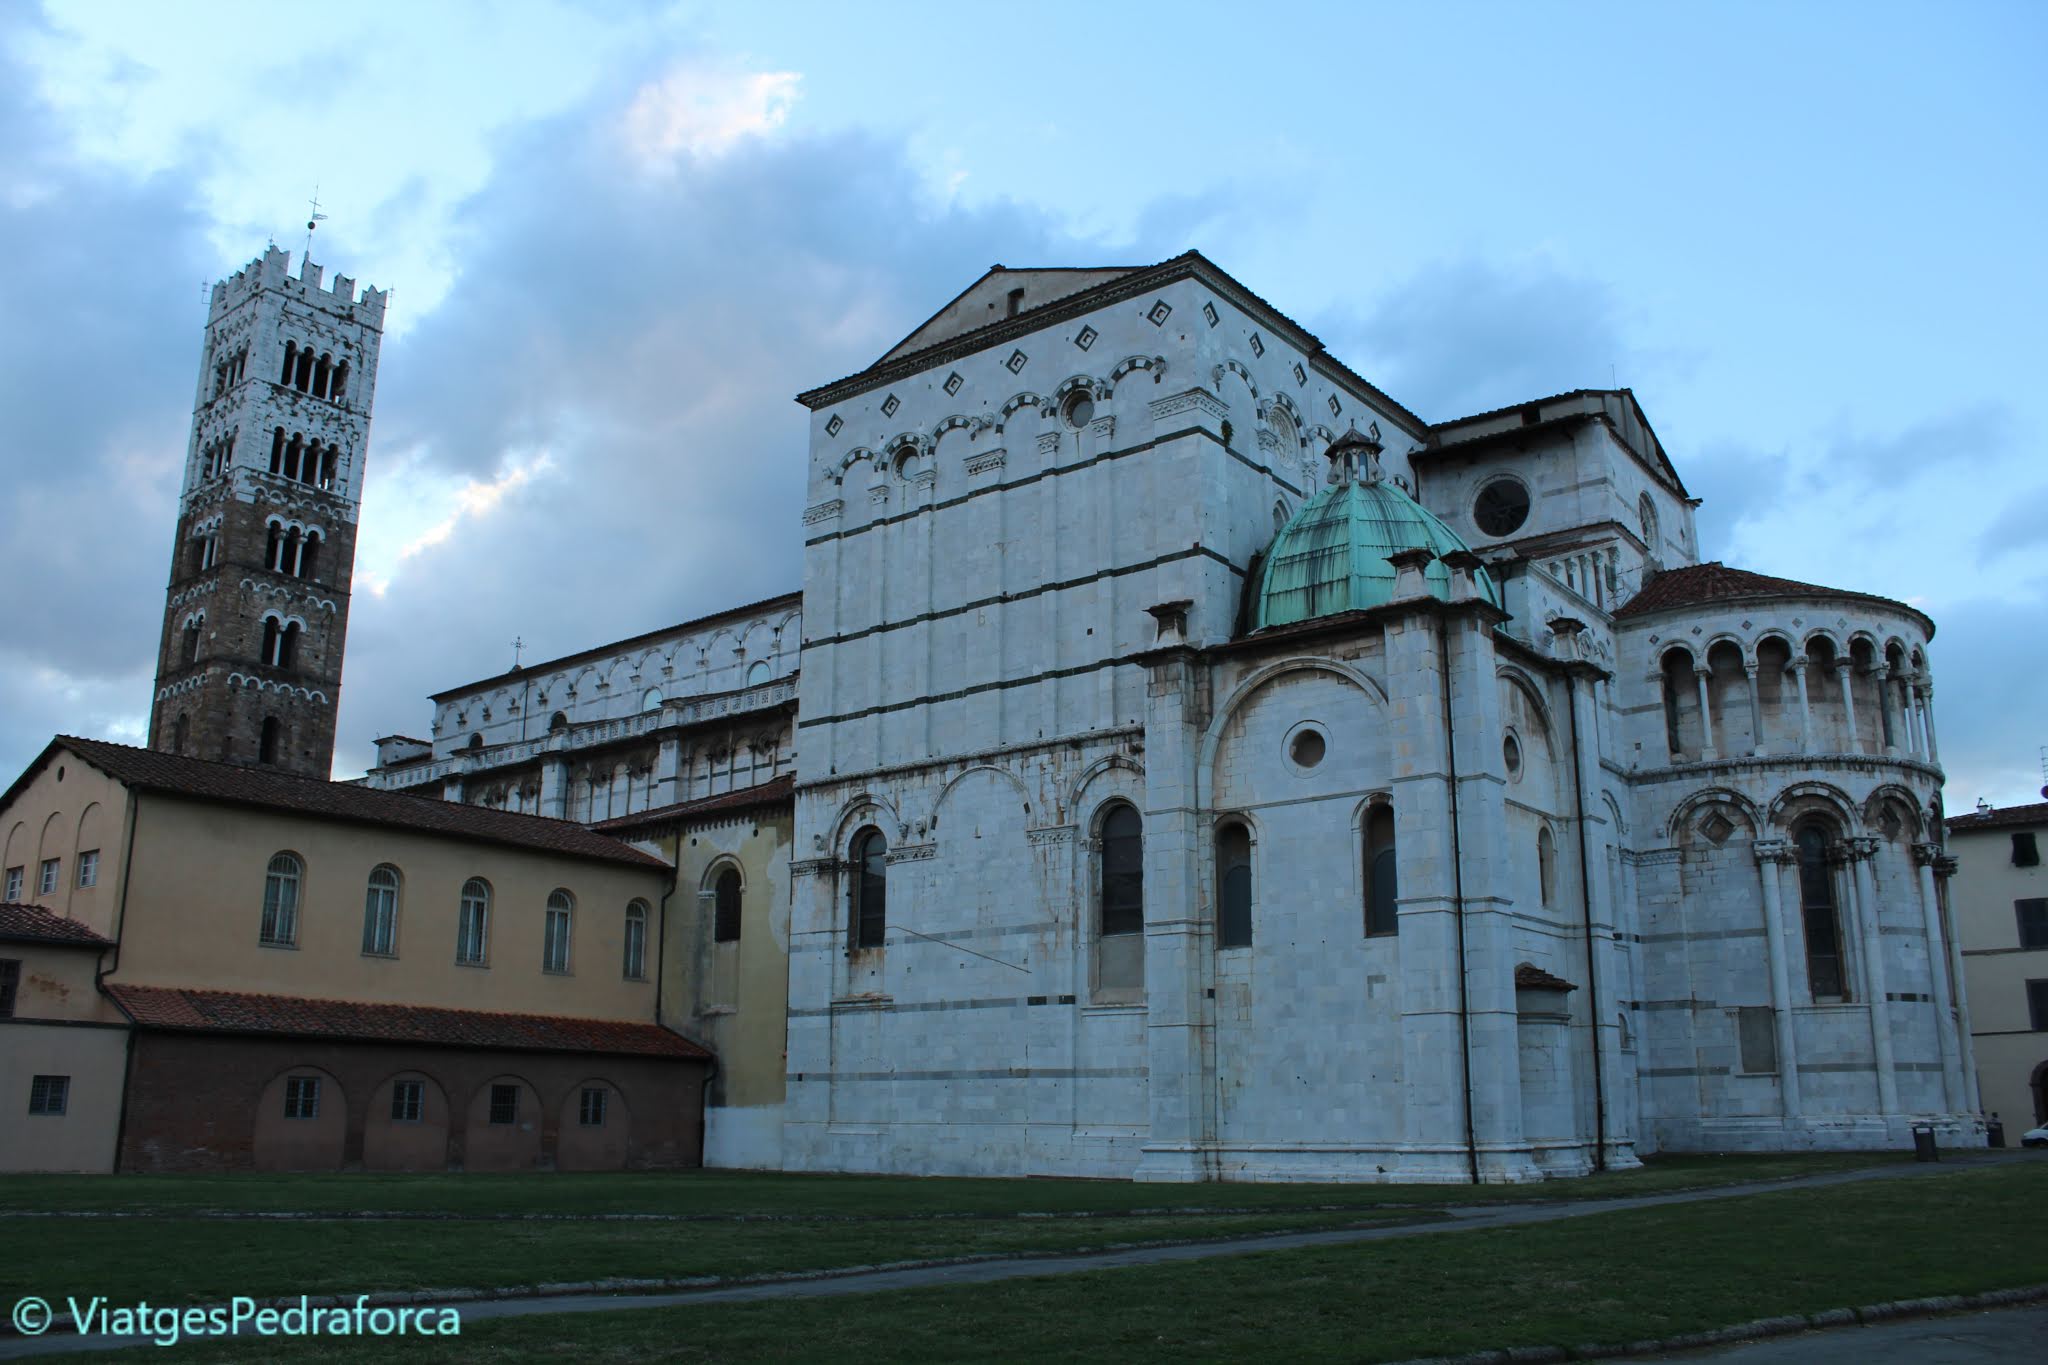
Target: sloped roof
x,y
2008,817
1530,977
171,1008
1697,585
199,779
33,924
780,791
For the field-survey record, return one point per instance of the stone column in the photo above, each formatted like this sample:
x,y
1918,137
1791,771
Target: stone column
x,y
554,786
1842,667
1797,668
1756,711
668,764
1924,858
1772,855
1927,722
1700,674
1858,852
1179,940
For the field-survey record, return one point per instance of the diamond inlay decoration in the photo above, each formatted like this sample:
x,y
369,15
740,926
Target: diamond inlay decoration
x,y
1300,375
1161,311
1336,408
1085,337
1717,828
890,404
832,427
953,383
1258,346
1016,362
1209,314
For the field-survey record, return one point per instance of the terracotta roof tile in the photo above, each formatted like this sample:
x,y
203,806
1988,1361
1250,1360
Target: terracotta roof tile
x,y
192,777
33,924
779,791
1530,977
2006,817
1695,585
164,1007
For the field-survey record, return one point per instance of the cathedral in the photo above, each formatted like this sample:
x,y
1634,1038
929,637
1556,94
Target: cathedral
x,y
1183,762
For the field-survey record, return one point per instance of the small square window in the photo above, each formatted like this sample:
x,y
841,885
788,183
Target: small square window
x,y
504,1105
408,1101
2026,852
47,881
49,1095
2032,915
14,879
89,868
2037,1006
302,1097
592,1110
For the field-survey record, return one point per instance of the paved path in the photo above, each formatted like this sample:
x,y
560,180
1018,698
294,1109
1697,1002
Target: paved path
x,y
2006,1334
1459,1219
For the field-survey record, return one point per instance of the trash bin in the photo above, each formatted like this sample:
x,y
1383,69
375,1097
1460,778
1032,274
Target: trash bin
x,y
1923,1143
1994,1134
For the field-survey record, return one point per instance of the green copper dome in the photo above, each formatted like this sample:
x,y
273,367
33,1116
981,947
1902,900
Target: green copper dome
x,y
1332,556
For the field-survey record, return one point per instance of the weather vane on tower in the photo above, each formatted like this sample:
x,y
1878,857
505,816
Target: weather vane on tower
x,y
317,218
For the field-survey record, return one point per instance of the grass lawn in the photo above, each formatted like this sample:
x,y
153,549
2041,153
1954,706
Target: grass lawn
x,y
742,1193
1612,1277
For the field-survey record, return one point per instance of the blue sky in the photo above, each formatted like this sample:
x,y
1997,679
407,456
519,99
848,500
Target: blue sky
x,y
620,238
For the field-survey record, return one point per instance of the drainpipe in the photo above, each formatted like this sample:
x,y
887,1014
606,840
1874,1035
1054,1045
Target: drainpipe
x,y
1586,903
99,978
1458,900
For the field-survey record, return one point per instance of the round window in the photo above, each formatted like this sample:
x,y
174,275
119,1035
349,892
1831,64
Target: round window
x,y
1079,409
1511,754
1502,507
1307,748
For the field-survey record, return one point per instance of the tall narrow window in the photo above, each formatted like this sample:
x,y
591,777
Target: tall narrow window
x,y
380,912
46,877
267,744
281,901
181,729
1233,886
12,895
725,916
291,362
472,930
1546,865
10,984
554,948
288,646
1123,872
89,868
1817,910
1381,916
868,908
2026,849
636,942
309,553
340,384
189,647
270,633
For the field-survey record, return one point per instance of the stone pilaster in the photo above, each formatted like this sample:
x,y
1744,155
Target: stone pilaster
x,y
1772,857
1858,852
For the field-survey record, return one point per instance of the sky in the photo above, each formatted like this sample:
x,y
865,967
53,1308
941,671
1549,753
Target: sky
x,y
619,238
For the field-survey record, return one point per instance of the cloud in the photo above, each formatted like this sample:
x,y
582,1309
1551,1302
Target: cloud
x,y
1468,335
704,109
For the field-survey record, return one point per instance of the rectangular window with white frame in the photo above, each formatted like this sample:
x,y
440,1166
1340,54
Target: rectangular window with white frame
x,y
14,880
46,883
88,868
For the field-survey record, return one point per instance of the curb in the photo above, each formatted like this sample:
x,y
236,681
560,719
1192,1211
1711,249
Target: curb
x,y
1787,1325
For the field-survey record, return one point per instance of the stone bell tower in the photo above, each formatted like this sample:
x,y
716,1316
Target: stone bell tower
x,y
249,666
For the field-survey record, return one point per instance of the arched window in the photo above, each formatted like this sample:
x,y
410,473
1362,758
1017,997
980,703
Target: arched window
x,y
725,914
321,368
189,649
270,631
1817,912
291,364
328,464
1679,694
1123,871
1233,886
309,553
558,723
340,385
281,901
635,968
554,945
1381,888
1546,865
267,745
652,701
302,373
867,909
288,646
476,742
181,730
1646,517
277,450
472,931
380,912
758,672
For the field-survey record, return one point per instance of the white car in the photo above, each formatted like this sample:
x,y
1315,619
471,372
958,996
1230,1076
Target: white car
x,y
2035,1137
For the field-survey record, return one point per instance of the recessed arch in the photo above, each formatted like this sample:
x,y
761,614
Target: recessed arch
x,y
1682,813
1078,794
1802,798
